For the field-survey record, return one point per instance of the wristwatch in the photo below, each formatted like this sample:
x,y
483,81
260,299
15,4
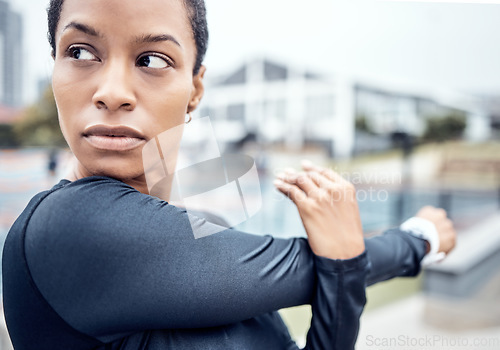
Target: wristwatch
x,y
425,229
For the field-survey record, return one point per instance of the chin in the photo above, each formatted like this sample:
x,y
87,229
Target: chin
x,y
118,167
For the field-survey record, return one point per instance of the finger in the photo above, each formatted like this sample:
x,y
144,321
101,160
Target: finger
x,y
319,179
440,212
290,190
287,175
302,181
307,165
327,172
326,182
448,224
327,190
432,213
332,175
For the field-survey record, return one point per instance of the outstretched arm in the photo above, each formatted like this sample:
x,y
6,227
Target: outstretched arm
x,y
400,252
395,253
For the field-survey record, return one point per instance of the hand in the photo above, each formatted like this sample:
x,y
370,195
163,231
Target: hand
x,y
328,208
444,227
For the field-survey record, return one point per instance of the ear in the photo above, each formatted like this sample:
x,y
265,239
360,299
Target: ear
x,y
198,90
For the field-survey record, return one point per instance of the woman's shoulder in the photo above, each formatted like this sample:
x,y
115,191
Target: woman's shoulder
x,y
88,208
89,195
87,219
90,185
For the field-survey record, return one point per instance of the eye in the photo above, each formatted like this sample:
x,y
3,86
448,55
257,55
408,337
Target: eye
x,y
79,53
153,61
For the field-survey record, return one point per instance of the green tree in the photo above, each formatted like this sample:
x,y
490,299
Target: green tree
x,y
450,126
39,125
362,123
7,137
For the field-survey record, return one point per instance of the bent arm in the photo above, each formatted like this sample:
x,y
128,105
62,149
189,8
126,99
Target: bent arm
x,y
337,304
112,261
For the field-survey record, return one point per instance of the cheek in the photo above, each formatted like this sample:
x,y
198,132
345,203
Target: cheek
x,y
68,102
60,90
170,106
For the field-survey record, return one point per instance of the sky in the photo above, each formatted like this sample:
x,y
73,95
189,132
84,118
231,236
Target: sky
x,y
454,46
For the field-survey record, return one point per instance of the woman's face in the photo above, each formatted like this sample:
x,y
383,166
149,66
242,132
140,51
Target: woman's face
x,y
123,73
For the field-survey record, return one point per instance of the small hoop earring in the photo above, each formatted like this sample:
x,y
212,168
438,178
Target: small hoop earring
x,y
190,118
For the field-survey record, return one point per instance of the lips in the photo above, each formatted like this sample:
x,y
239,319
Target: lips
x,y
113,137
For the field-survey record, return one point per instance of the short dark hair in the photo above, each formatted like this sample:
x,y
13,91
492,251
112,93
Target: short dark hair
x,y
196,13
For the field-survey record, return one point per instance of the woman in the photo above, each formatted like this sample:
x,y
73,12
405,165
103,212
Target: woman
x,y
97,263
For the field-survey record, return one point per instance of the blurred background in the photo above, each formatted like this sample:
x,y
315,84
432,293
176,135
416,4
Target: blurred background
x,y
402,98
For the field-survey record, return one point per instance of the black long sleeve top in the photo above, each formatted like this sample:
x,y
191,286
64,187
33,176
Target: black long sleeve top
x,y
95,264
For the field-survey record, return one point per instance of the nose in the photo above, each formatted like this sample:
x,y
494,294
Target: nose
x,y
115,88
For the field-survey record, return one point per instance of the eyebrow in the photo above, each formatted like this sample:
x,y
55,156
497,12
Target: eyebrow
x,y
149,38
83,28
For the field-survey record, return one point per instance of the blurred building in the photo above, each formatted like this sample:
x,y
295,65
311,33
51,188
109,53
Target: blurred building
x,y
492,106
383,109
274,103
11,59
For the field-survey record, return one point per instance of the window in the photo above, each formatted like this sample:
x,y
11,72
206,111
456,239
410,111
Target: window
x,y
236,112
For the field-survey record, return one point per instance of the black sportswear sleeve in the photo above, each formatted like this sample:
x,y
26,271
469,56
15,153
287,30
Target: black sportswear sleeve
x,y
112,261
